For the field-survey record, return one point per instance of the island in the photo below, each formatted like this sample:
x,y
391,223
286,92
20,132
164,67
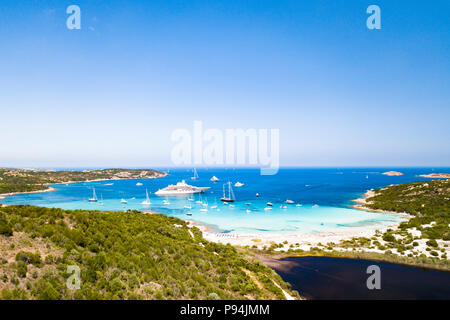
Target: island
x,y
392,173
13,181
436,175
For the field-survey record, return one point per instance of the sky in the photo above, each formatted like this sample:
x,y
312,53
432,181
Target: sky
x,y
113,92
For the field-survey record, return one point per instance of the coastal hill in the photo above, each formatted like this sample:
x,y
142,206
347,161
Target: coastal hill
x,y
423,239
123,255
29,180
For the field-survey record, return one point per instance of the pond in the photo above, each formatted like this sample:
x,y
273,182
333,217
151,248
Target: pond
x,y
341,278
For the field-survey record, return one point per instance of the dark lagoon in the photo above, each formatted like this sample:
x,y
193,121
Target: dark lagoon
x,y
340,278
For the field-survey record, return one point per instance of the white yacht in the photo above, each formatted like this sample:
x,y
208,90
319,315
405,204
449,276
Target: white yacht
x,y
139,184
123,201
289,201
238,184
269,204
214,179
180,188
94,196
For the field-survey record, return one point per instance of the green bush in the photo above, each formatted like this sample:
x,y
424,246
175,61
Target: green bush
x,y
432,243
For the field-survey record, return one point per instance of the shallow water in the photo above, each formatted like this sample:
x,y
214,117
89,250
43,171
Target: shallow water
x,y
340,278
325,196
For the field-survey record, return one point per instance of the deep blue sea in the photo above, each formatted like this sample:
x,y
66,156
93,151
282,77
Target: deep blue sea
x,y
324,194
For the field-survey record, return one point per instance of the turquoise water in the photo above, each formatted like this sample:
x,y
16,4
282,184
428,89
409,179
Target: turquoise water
x,y
325,196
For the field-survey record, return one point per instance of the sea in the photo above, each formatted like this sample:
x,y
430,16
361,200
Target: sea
x,y
322,198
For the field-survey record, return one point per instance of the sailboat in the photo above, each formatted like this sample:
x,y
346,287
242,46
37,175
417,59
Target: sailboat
x,y
123,201
230,197
94,196
146,202
214,179
166,202
195,177
101,200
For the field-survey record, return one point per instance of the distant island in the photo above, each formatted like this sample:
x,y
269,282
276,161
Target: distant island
x,y
392,173
436,175
14,181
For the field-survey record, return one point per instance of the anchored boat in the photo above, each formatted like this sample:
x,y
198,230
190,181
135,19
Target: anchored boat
x,y
230,197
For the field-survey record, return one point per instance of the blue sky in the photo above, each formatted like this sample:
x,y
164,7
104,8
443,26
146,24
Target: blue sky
x,y
112,93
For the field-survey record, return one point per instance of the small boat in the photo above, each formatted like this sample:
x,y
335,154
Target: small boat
x,y
203,209
283,207
298,205
189,213
94,196
187,207
214,179
289,201
146,202
248,203
248,211
195,177
134,198
139,184
238,184
269,204
315,206
190,199
108,184
166,202
232,205
101,200
123,201
257,194
230,197
268,208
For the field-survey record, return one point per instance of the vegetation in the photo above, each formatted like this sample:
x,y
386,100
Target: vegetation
x,y
428,202
423,240
15,180
121,255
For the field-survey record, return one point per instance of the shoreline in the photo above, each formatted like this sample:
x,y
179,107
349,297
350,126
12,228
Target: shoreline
x,y
50,189
4,195
368,194
301,241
